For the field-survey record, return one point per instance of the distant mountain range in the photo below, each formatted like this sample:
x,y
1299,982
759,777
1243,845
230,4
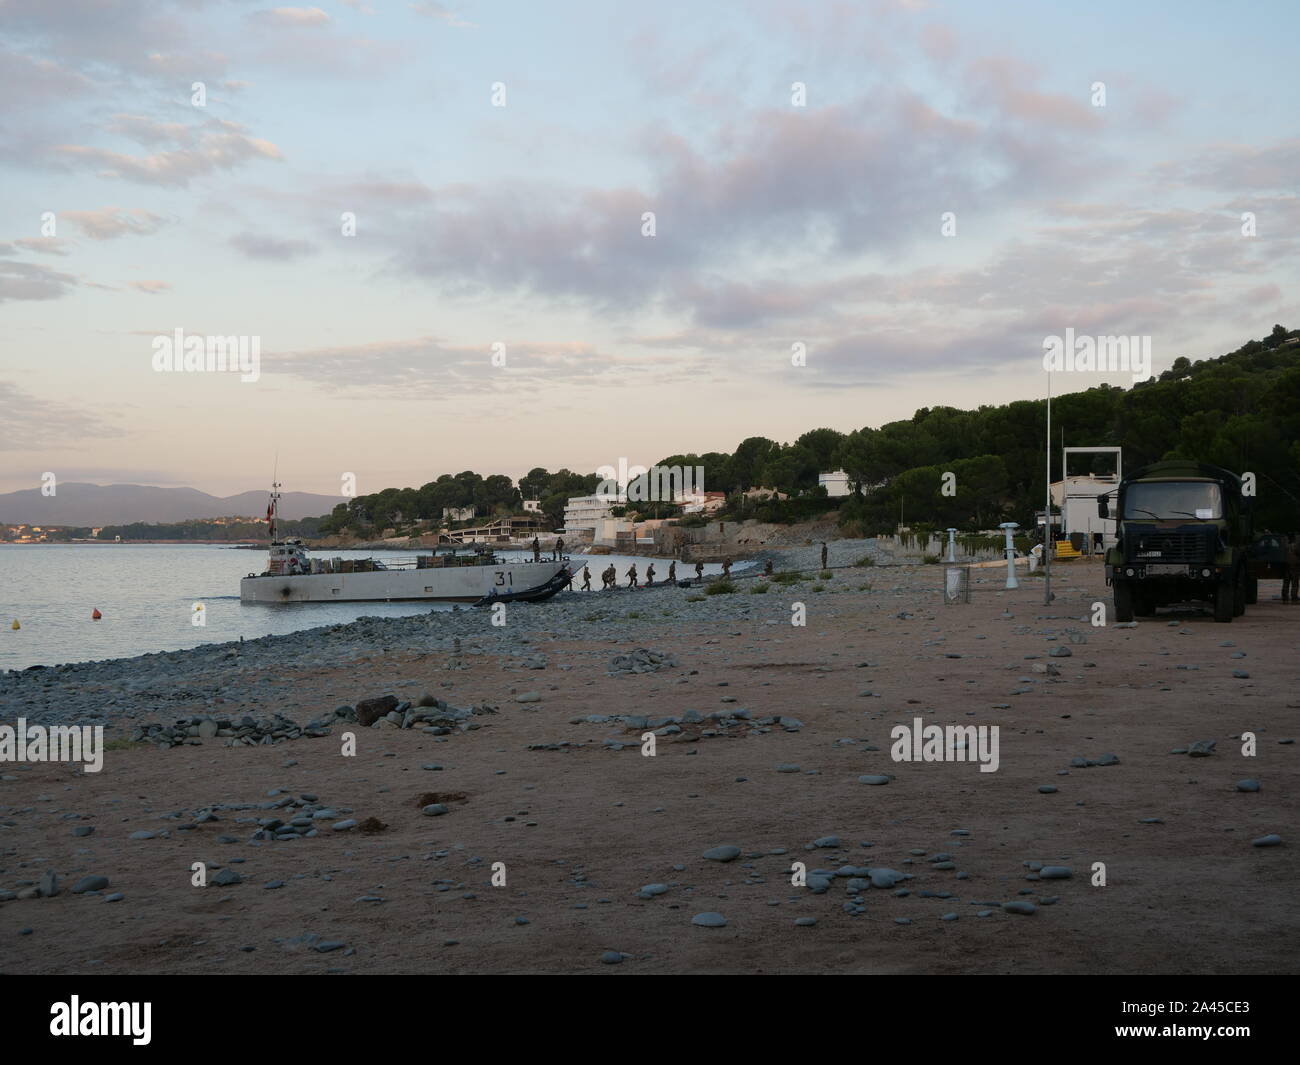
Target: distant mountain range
x,y
121,504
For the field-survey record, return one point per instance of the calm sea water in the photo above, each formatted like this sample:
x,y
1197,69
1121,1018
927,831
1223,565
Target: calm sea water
x,y
146,594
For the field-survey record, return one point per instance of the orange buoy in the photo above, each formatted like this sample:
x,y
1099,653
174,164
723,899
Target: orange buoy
x,y
95,615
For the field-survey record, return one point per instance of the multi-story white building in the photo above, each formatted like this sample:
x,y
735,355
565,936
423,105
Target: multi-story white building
x,y
583,515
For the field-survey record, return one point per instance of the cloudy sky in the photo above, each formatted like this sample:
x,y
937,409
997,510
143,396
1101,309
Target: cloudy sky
x,y
126,212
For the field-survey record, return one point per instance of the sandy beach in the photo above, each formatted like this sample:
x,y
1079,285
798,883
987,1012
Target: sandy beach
x,y
581,827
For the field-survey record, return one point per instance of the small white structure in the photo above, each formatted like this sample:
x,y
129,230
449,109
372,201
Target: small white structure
x,y
1010,527
1076,498
612,531
457,513
533,505
836,483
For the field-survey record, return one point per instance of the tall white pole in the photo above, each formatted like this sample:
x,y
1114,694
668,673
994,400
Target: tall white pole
x,y
1047,511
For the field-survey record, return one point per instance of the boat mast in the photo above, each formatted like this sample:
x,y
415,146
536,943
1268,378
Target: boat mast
x,y
272,509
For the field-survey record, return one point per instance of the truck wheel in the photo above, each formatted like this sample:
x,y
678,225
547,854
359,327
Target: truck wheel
x,y
1225,596
1144,602
1123,601
1252,591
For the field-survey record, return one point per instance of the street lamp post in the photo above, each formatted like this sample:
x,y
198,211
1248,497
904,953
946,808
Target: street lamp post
x,y
952,545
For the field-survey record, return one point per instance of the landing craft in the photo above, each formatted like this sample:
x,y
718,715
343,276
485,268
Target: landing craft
x,y
451,574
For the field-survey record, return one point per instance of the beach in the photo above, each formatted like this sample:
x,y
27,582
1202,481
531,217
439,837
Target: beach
x,y
765,732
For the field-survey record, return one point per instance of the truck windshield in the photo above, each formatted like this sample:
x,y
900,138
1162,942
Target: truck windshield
x,y
1172,499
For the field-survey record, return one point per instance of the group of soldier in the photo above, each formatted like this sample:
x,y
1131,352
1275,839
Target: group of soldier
x,y
609,575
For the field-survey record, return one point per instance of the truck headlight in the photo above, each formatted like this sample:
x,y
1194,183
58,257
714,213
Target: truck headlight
x,y
1129,572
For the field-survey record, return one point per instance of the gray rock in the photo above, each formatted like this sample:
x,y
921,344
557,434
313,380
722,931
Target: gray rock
x,y
1056,872
83,830
709,920
434,809
724,853
805,922
787,768
827,841
89,883
1248,785
529,697
649,891
873,778
886,878
142,834
343,826
227,878
1272,840
1201,748
48,886
611,957
1020,906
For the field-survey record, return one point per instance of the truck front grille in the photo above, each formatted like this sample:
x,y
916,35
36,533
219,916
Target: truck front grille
x,y
1172,546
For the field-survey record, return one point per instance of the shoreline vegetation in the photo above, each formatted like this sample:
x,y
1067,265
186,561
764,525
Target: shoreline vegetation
x,y
1237,411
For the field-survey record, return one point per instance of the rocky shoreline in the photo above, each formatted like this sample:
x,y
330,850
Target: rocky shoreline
x,y
436,793
204,679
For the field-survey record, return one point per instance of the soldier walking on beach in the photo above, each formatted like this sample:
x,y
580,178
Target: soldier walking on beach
x,y
559,550
586,579
726,568
537,549
672,572
650,575
767,568
1291,574
823,554
699,571
631,577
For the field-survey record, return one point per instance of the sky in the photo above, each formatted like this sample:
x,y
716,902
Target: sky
x,y
912,194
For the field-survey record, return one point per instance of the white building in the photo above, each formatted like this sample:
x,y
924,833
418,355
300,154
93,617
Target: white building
x,y
583,515
457,513
533,505
836,483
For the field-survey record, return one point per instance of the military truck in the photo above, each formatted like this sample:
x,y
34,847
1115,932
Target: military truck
x,y
1183,532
